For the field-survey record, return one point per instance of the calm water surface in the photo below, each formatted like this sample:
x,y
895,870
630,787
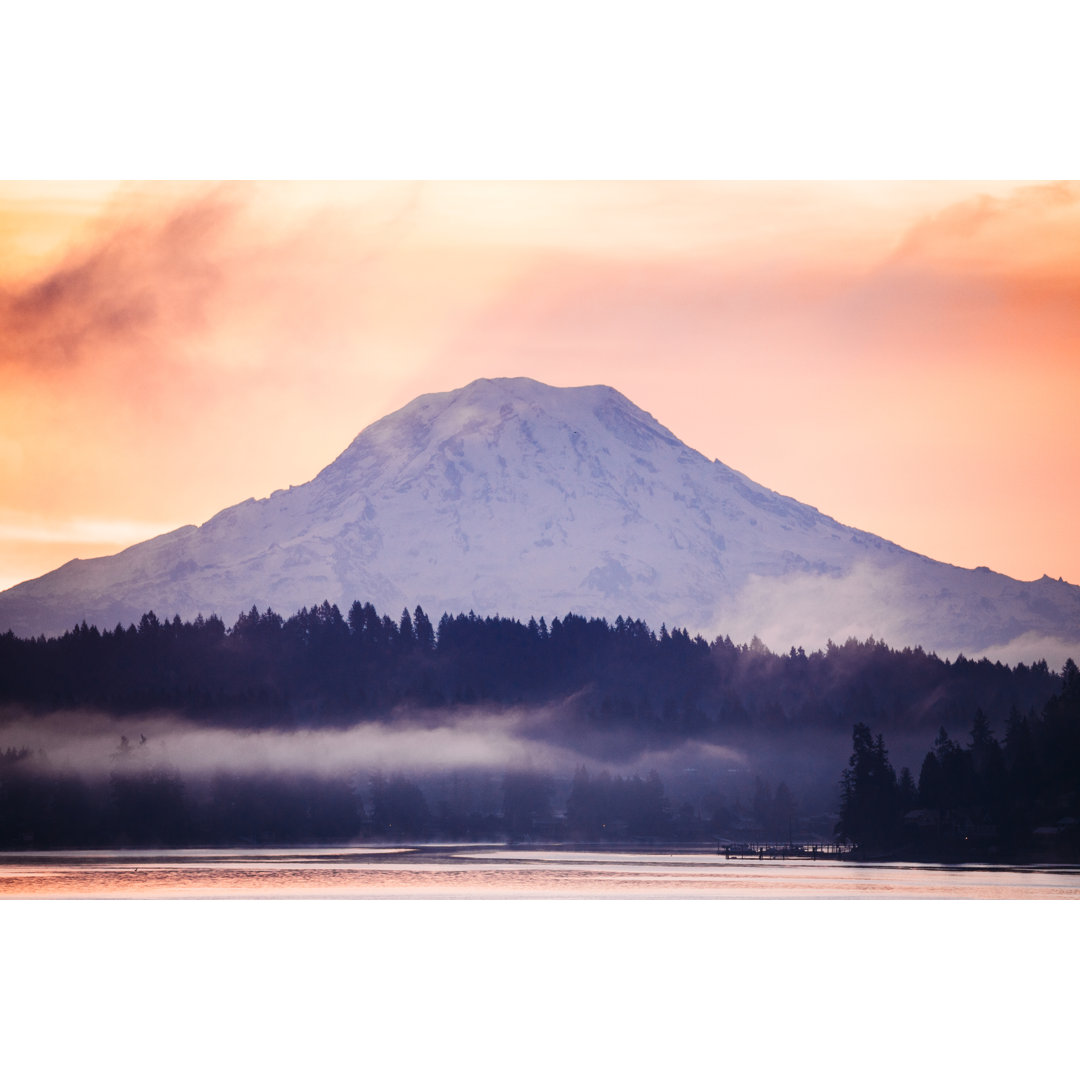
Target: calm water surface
x,y
500,872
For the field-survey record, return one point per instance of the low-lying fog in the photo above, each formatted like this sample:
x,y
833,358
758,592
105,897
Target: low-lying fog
x,y
422,744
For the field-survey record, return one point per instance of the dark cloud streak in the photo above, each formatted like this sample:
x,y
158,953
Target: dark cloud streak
x,y
147,276
162,271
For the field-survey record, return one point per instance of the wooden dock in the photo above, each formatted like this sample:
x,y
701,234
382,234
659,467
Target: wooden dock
x,y
783,851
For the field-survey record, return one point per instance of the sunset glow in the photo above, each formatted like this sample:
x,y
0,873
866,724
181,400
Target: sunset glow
x,y
901,355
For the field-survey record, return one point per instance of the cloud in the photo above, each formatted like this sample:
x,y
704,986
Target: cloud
x,y
975,284
414,742
213,274
147,276
1028,649
195,348
1033,226
892,605
800,609
80,530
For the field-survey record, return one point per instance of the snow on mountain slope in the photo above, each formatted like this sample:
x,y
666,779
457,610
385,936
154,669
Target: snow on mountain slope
x,y
515,497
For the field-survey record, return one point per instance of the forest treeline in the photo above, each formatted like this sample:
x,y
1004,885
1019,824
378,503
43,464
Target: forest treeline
x,y
1013,799
604,691
319,668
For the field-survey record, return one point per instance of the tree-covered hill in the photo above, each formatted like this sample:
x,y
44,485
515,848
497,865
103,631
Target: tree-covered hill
x,y
318,668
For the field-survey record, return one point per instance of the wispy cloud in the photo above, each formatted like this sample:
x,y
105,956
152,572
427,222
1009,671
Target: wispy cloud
x,y
149,278
77,530
418,742
1032,226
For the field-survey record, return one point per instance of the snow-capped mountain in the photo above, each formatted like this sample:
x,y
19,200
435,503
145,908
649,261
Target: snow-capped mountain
x,y
515,497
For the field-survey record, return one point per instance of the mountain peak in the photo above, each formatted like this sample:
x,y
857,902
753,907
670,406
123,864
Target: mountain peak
x,y
494,395
485,408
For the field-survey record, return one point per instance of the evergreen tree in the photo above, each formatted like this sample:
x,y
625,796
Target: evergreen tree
x,y
425,635
869,801
908,793
406,633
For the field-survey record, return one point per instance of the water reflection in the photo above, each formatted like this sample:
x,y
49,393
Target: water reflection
x,y
493,871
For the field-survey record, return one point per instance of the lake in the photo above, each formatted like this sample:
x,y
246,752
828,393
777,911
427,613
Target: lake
x,y
492,871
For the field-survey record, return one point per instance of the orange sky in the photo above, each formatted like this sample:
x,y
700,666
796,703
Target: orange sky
x,y
904,356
